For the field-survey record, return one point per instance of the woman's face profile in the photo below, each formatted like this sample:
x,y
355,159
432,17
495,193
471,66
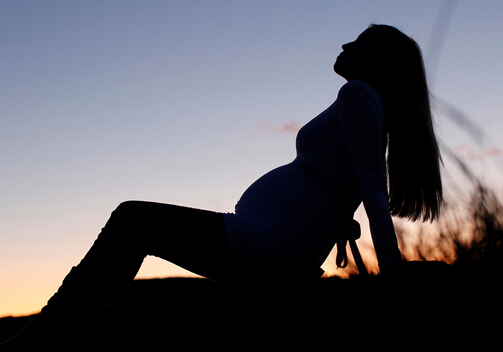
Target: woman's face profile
x,y
354,61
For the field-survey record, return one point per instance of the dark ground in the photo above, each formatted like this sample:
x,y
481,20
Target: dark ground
x,y
432,304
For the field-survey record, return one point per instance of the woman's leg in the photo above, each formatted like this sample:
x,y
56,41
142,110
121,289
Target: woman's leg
x,y
191,238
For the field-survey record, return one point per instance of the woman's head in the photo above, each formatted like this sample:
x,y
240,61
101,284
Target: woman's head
x,y
381,56
392,63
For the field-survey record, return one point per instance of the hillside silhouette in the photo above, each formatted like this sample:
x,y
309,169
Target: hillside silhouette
x,y
423,302
433,302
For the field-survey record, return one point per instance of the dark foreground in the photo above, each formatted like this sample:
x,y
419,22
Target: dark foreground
x,y
430,303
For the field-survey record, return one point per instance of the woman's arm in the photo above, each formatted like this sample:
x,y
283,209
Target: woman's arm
x,y
362,120
382,229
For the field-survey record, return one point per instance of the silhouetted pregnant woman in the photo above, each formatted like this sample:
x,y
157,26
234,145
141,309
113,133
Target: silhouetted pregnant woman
x,y
289,219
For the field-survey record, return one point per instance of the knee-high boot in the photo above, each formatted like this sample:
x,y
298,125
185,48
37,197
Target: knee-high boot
x,y
83,300
64,323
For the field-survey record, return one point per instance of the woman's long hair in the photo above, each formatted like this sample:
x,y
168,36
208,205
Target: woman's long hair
x,y
413,156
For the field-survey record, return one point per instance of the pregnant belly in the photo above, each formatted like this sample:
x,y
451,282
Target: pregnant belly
x,y
274,191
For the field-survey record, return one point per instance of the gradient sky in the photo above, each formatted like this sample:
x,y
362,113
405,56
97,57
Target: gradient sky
x,y
188,102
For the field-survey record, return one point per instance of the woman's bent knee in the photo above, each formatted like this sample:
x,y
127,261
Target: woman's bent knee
x,y
124,222
126,213
128,207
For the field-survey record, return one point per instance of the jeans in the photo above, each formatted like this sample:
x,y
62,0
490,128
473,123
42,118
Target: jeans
x,y
190,238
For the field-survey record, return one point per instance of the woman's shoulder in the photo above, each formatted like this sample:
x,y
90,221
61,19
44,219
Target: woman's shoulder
x,y
356,90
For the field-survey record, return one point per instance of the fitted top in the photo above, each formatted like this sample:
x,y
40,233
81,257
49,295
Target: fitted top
x,y
289,218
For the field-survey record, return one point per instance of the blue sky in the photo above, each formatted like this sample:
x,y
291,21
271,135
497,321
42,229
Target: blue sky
x,y
188,102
